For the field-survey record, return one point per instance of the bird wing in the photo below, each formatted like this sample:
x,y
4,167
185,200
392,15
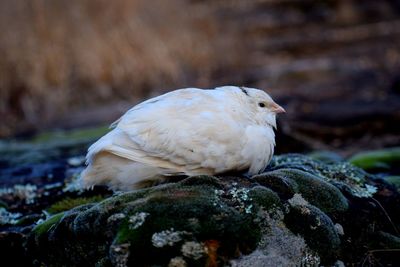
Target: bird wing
x,y
185,130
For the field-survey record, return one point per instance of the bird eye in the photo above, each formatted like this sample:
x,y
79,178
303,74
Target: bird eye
x,y
261,104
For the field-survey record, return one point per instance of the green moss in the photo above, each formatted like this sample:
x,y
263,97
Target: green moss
x,y
338,170
314,189
341,173
169,206
69,203
42,228
280,184
318,192
316,228
378,159
264,197
194,213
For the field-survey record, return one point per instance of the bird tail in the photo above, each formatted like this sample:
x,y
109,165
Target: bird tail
x,y
119,173
98,171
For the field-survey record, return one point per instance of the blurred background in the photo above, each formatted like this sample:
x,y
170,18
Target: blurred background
x,y
334,65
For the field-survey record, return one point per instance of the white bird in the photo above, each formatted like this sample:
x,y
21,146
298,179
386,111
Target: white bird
x,y
185,132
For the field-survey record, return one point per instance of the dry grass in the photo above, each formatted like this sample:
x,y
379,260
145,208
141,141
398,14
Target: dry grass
x,y
56,56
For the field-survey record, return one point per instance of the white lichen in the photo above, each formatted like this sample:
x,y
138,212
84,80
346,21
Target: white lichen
x,y
310,259
318,223
339,263
297,200
53,185
217,195
136,220
7,217
166,238
40,221
339,229
248,209
120,254
344,172
116,217
24,192
177,262
74,183
278,246
76,161
241,198
371,189
193,250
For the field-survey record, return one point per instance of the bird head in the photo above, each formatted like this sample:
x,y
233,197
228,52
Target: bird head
x,y
260,107
264,109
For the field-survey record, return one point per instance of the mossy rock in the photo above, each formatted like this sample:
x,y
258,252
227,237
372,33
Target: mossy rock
x,y
342,174
69,203
265,197
313,188
47,235
280,184
317,191
207,220
329,170
45,226
316,228
149,227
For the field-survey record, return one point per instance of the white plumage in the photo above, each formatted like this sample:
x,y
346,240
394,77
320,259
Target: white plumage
x,y
185,132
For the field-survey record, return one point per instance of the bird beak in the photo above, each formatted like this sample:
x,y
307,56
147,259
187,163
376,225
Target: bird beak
x,y
277,109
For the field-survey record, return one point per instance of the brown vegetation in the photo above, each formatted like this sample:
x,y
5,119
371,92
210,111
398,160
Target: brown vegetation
x,y
56,56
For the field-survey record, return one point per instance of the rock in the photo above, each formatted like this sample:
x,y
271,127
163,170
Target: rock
x,y
151,226
300,210
387,241
342,174
283,186
7,217
316,228
45,158
264,197
313,188
278,246
386,250
12,249
317,191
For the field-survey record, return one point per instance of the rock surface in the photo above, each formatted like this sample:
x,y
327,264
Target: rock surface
x,y
300,209
309,210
